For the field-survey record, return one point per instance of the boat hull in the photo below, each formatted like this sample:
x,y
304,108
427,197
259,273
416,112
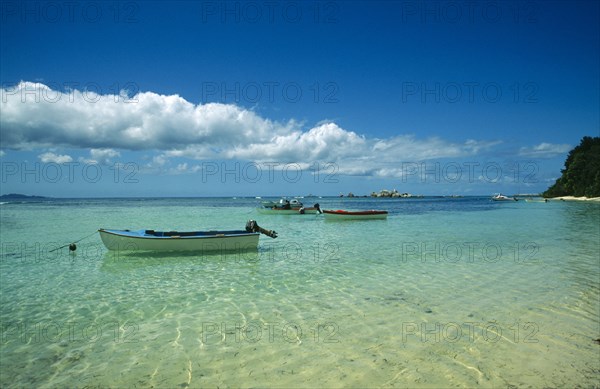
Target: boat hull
x,y
283,211
200,241
501,197
355,215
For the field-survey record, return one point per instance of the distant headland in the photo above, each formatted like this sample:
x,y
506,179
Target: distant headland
x,y
19,196
581,175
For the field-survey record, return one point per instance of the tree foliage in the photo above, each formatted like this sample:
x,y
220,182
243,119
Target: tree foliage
x,y
581,175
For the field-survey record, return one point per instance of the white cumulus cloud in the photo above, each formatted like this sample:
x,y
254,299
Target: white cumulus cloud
x,y
35,116
147,121
545,150
54,158
103,156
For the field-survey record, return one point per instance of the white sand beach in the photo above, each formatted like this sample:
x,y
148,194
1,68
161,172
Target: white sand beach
x,y
573,198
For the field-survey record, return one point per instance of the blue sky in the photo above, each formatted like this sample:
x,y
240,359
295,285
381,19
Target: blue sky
x,y
260,98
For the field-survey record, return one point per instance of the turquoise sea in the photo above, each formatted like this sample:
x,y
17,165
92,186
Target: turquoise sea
x,y
447,292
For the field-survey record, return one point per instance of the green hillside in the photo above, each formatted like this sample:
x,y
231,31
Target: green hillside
x,y
581,175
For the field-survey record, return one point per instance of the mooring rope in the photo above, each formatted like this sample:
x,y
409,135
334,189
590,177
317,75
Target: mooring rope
x,y
73,246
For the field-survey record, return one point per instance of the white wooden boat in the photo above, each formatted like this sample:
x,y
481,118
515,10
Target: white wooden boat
x,y
201,241
354,215
501,197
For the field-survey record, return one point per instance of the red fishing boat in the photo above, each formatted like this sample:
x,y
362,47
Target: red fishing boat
x,y
354,215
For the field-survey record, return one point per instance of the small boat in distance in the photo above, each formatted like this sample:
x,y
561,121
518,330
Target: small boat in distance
x,y
501,197
201,241
536,200
283,202
354,215
287,207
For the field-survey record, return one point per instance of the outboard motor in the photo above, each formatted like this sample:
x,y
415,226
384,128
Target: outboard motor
x,y
318,207
252,226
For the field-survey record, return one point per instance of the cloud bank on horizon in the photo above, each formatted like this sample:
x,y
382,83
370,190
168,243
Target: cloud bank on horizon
x,y
37,117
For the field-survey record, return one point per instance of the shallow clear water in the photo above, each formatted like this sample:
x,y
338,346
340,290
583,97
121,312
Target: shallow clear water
x,y
445,292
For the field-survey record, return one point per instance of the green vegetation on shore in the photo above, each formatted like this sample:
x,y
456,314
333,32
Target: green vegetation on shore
x,y
581,175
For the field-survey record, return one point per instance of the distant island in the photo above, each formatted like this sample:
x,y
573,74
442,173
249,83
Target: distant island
x,y
581,175
384,193
19,196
